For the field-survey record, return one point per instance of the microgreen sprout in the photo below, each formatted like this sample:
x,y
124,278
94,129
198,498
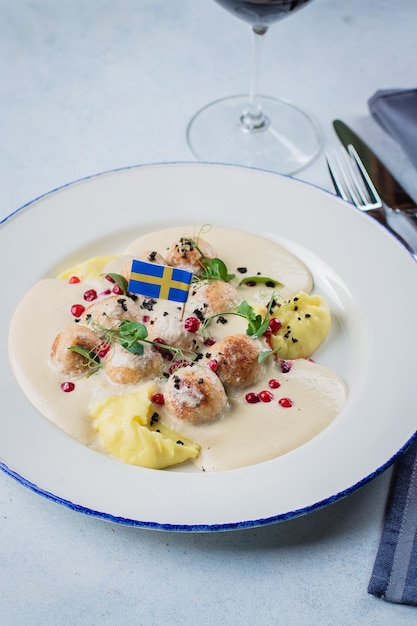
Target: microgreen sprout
x,y
133,335
257,324
213,269
92,361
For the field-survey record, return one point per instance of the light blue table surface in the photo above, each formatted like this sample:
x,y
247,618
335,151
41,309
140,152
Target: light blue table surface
x,y
92,85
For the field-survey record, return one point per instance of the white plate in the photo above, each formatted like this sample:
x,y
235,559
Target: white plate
x,y
369,280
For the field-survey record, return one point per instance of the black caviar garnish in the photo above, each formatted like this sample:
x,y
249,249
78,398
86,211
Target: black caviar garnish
x,y
199,315
148,304
122,302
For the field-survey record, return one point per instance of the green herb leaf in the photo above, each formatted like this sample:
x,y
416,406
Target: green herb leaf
x,y
216,269
119,280
264,354
130,334
269,282
213,269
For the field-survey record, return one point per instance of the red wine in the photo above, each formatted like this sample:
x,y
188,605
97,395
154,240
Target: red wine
x,y
261,13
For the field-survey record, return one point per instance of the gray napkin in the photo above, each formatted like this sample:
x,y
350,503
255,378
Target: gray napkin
x,y
396,111
394,576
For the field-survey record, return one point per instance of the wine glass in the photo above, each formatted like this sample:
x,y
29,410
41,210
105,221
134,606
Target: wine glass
x,y
255,130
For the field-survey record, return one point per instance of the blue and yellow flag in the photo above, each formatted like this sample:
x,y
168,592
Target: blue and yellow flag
x,y
159,281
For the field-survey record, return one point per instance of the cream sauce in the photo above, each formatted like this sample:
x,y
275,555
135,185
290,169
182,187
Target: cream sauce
x,y
247,433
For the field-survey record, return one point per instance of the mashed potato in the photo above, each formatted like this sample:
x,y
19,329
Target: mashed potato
x,y
305,322
129,432
89,269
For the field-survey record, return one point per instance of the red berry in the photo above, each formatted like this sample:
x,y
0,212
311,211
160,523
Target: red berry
x,y
109,278
285,402
77,310
177,364
146,319
252,397
285,366
158,398
268,333
265,396
90,295
102,349
274,324
192,324
213,365
73,280
106,292
210,341
67,386
274,383
117,290
166,353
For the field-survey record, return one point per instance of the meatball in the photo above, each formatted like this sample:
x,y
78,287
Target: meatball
x,y
237,360
166,325
195,394
184,254
124,367
68,361
213,298
112,311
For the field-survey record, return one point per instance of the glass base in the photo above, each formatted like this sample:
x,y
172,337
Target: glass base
x,y
287,144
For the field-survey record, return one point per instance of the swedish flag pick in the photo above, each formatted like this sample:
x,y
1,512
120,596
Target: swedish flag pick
x,y
159,281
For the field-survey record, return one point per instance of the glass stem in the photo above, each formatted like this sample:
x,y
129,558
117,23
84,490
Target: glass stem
x,y
253,118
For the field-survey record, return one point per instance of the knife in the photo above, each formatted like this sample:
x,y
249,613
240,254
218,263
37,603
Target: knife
x,y
390,190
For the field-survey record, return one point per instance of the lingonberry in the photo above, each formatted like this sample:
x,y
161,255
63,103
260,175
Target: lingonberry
x,y
90,295
213,365
67,386
265,396
102,349
274,324
285,402
192,324
252,397
158,398
274,383
77,310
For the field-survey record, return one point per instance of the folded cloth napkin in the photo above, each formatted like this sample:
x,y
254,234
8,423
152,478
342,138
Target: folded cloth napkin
x,y
394,576
396,111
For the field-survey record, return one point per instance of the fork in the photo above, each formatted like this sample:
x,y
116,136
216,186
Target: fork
x,y
352,183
